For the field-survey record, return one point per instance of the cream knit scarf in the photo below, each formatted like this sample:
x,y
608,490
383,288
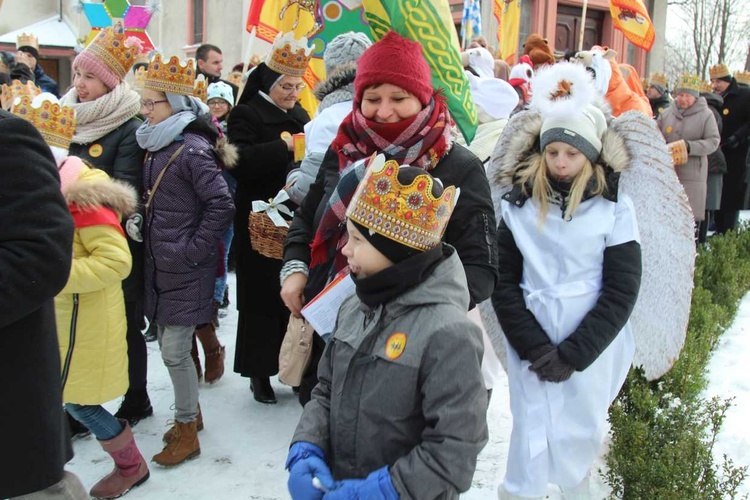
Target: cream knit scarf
x,y
103,115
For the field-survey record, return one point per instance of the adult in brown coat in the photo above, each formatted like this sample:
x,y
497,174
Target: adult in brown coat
x,y
691,120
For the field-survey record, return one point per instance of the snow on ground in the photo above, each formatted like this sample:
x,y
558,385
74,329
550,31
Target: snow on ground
x,y
244,444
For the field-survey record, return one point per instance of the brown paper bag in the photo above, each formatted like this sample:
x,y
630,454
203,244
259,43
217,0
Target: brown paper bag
x,y
296,351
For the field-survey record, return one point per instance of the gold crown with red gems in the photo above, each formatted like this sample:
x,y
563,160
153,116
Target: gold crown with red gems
x,y
742,77
171,76
112,48
719,71
56,123
17,89
289,56
707,87
409,215
201,88
27,40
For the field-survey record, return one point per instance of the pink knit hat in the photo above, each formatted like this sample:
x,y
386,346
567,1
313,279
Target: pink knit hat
x,y
109,57
398,61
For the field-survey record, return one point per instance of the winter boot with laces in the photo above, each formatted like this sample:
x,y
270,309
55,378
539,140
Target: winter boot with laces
x,y
214,351
183,446
130,469
170,435
135,406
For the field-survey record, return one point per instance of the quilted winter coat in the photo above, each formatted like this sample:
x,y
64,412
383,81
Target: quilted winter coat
x,y
90,310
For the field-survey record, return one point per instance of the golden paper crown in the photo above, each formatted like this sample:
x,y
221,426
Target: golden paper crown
x,y
719,71
142,58
742,77
707,87
644,83
689,82
139,79
17,89
409,215
289,56
27,40
171,76
114,50
56,123
658,79
201,88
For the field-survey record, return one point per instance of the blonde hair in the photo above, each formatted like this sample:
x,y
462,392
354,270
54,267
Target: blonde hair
x,y
533,172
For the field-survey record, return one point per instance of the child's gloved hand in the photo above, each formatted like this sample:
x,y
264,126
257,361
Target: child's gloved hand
x,y
376,486
305,462
552,368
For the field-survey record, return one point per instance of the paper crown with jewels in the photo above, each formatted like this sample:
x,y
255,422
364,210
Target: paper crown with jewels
x,y
719,71
289,56
409,215
742,77
115,50
27,40
658,79
17,89
689,82
171,76
200,90
56,123
707,87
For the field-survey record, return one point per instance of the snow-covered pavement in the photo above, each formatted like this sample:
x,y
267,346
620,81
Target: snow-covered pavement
x,y
244,444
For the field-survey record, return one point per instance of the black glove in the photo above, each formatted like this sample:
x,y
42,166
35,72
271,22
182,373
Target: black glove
x,y
537,352
552,368
732,142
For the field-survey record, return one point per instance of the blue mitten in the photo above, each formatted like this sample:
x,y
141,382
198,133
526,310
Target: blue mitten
x,y
305,462
376,486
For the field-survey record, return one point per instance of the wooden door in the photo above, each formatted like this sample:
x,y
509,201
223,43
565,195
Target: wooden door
x,y
568,28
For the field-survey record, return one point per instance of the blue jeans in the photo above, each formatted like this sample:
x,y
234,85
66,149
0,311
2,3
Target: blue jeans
x,y
99,421
221,281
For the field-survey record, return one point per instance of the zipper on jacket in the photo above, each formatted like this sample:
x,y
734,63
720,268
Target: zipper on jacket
x,y
71,341
487,238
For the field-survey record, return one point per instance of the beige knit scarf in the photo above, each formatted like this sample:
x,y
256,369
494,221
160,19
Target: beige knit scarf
x,y
103,115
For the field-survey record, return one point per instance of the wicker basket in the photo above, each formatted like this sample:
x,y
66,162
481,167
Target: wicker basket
x,y
266,238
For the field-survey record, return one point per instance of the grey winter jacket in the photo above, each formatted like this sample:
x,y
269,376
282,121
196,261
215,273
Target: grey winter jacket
x,y
423,412
190,210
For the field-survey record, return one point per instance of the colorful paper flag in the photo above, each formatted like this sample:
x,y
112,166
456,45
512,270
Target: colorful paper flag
x,y
508,15
430,23
631,17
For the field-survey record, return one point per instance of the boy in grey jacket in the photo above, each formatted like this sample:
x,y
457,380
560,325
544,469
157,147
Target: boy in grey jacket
x,y
400,408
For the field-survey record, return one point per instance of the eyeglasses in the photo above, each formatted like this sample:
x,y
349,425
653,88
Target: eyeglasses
x,y
218,102
291,88
149,105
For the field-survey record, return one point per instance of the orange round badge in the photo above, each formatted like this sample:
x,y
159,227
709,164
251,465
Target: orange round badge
x,y
395,346
286,135
726,111
669,129
96,150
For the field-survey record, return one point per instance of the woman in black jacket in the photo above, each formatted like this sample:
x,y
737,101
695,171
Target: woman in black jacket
x,y
261,127
106,109
396,112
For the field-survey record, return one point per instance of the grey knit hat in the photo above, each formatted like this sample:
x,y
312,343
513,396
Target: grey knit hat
x,y
345,48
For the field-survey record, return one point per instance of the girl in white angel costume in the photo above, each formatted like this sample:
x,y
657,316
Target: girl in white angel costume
x,y
570,266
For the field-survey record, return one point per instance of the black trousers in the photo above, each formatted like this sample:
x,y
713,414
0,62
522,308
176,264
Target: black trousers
x,y
726,220
137,355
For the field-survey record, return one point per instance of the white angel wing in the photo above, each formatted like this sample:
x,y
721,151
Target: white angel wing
x,y
665,222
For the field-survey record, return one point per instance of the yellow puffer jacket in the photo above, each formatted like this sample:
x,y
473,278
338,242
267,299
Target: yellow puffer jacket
x,y
90,310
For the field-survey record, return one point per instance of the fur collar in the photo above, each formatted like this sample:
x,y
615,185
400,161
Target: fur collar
x,y
341,77
114,194
227,152
520,141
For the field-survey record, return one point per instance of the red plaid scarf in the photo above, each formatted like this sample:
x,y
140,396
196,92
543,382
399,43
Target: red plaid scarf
x,y
420,141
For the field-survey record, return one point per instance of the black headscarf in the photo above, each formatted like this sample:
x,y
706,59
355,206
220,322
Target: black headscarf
x,y
261,78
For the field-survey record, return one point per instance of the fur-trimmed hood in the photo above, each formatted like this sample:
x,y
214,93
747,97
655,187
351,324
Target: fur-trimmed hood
x,y
227,152
520,142
94,188
338,87
208,128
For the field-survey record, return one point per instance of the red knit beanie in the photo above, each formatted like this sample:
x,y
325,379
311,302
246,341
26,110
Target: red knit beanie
x,y
395,60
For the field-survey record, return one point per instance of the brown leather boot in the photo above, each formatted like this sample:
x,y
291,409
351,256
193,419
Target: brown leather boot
x,y
214,351
170,435
183,447
196,359
130,468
